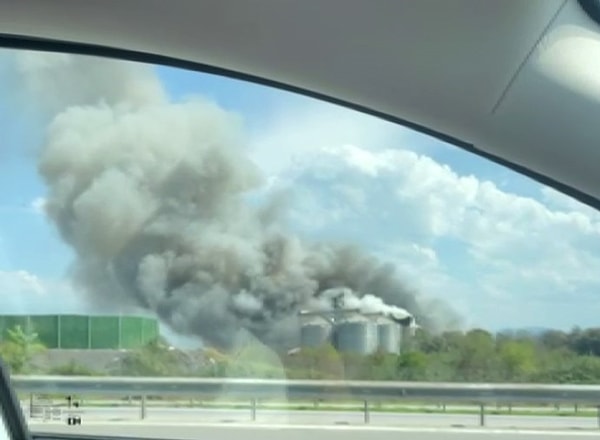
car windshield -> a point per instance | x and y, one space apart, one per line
170 227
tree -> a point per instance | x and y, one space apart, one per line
476 357
378 366
18 349
254 360
412 366
554 339
586 342
517 360
323 362
572 370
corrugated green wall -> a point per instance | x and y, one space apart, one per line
85 332
74 331
150 330
46 326
131 332
11 321
105 332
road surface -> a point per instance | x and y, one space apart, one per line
278 432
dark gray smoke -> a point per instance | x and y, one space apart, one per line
153 197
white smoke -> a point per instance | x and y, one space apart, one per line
367 303
56 81
152 196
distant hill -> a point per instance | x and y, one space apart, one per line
534 331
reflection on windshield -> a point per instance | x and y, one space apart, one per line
156 226
4 435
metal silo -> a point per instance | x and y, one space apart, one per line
356 335
315 333
389 337
408 333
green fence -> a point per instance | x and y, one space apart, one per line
46 327
73 331
85 332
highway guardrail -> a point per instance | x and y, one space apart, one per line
481 394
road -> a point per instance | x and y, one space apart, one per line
277 432
333 418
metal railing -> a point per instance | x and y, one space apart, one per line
481 395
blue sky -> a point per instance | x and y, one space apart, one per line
502 250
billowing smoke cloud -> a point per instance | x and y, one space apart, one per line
153 197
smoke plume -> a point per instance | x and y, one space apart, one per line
153 195
366 304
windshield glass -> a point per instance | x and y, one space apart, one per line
156 222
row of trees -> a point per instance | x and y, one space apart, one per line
473 356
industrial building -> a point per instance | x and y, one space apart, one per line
85 332
353 332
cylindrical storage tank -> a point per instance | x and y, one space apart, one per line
315 334
389 337
356 335
407 333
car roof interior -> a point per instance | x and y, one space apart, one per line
513 80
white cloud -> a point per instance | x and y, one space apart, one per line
24 292
427 253
560 201
356 197
465 206
38 205
20 282
291 136
506 248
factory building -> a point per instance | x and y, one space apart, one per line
315 332
356 334
350 331
389 335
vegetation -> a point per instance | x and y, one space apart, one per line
473 356
155 359
479 356
72 368
18 348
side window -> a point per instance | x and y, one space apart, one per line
160 222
